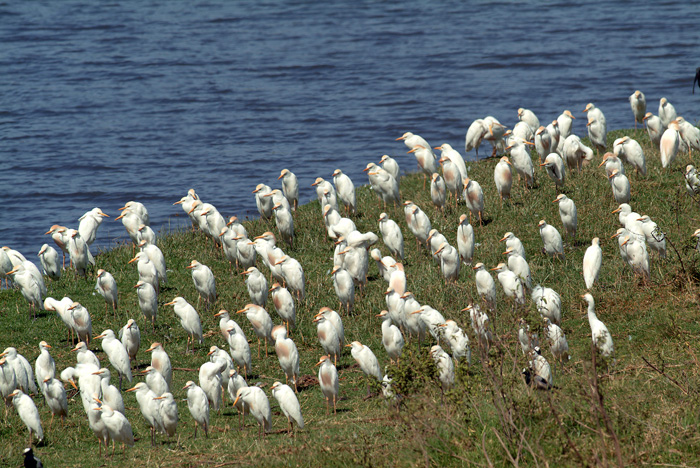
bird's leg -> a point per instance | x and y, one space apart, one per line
258 348
334 409
195 429
120 381
206 430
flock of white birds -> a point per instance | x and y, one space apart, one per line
405 318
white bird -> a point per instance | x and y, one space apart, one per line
412 322
485 285
31 288
612 163
438 191
574 152
130 336
284 222
155 255
210 379
632 152
239 348
556 170
345 190
168 412
150 408
258 406
28 414
638 103
204 281
565 122
236 381
544 143
541 367
55 396
390 165
474 198
529 117
292 274
567 212
148 272
690 134
110 394
602 339
521 160
344 288
431 318
328 380
528 340
465 240
654 128
592 260
503 177
49 261
146 236
656 240
669 144
24 374
59 234
445 366
449 262
117 354
458 341
290 187
8 381
256 283
263 203
522 131
85 356
637 255
620 187
366 359
392 339
44 366
513 242
187 203
426 160
328 336
289 404
512 286
117 426
456 158
287 354
160 361
558 344
148 301
548 303
597 127
189 319
553 244
392 236
692 182
198 404
476 132
480 324
383 183
260 321
520 267
667 113
79 252
61 309
284 305
107 287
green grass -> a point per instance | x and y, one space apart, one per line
490 417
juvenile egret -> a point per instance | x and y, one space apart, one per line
287 354
107 287
257 286
485 285
150 408
553 244
638 103
204 281
49 261
503 178
597 127
392 339
210 380
168 412
548 303
474 198
260 321
667 113
198 404
289 404
130 336
148 301
557 340
239 348
117 354
160 361
28 414
556 170
512 286
465 240
392 236
567 212
328 380
290 187
258 406
620 187
599 332
592 260
438 191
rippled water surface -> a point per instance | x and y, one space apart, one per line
105 102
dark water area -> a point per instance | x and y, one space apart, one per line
106 102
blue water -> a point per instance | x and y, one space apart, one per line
105 102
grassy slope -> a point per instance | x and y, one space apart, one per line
490 416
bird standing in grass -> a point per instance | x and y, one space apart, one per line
198 404
567 212
367 361
289 404
49 261
28 414
328 379
148 301
287 354
553 244
258 405
638 103
592 261
204 282
117 354
599 332
130 336
107 287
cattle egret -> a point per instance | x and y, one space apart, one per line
503 177
289 404
117 354
130 336
290 187
198 404
567 212
168 412
620 187
485 285
260 321
667 113
160 361
110 394
553 244
438 191
548 303
638 103
189 319
669 144
521 161
445 366
150 408
597 127
599 332
258 406
392 339
49 261
528 340
236 381
284 305
28 414
392 236
239 348
203 281
328 380
520 267
117 426
474 198
555 168
148 301
540 367
210 380
328 336
512 286
107 287
55 395
44 366
557 340
366 360
287 354
22 370
592 260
